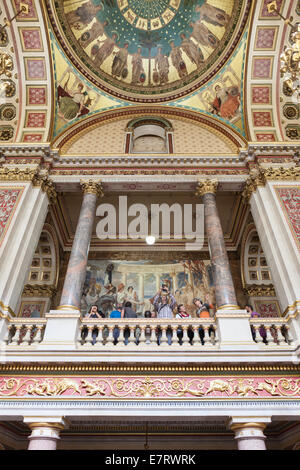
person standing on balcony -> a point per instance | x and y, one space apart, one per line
262 330
116 314
128 312
202 311
182 313
94 313
164 303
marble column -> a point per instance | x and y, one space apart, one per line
44 436
224 287
76 272
249 436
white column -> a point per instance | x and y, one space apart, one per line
249 431
44 432
20 241
277 240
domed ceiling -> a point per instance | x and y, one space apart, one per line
148 50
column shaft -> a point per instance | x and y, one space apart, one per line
224 287
76 272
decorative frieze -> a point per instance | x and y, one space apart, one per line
114 387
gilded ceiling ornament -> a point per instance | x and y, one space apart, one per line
92 187
207 186
15 174
6 64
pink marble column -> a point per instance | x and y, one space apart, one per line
250 436
44 436
224 287
76 272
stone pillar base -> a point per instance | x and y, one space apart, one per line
234 330
61 330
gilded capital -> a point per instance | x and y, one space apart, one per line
46 185
206 186
92 187
260 176
260 290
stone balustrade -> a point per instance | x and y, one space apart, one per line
148 333
271 331
25 331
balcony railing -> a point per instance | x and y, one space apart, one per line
147 333
270 331
25 331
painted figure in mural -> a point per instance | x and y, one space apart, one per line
131 296
119 65
203 35
121 294
162 64
226 102
83 15
193 52
212 15
108 274
105 50
177 60
96 31
70 106
137 67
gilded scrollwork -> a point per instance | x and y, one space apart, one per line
150 387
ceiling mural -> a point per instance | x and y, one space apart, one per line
140 50
76 97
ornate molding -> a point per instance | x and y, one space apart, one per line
260 177
260 290
30 175
92 187
38 291
207 186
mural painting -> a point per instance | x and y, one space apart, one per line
145 46
109 283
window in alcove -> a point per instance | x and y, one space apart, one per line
149 135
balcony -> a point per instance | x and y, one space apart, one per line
225 337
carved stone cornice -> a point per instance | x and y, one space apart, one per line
260 176
92 187
206 186
260 290
39 291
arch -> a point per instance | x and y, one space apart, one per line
233 140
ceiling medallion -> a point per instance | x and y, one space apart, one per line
148 50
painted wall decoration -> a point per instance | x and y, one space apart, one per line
9 200
32 309
110 282
147 48
267 308
289 197
149 387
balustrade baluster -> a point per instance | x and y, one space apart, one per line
16 337
27 336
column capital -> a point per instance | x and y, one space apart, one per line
92 187
32 175
46 185
260 176
206 186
